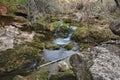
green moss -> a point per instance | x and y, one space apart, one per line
69 46
49 45
55 24
13 58
92 34
68 20
40 75
69 75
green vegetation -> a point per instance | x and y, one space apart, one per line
13 4
68 75
13 58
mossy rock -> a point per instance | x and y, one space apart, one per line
51 46
69 46
92 34
69 75
40 75
13 58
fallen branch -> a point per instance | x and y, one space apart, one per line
52 62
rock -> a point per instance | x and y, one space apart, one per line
7 37
92 34
6 43
106 64
69 46
63 66
3 9
80 67
11 35
39 75
51 46
24 37
115 27
62 76
114 48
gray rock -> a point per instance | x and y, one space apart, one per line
115 27
10 35
80 67
63 66
106 64
6 43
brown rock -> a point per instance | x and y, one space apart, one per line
3 9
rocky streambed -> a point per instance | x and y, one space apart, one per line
78 45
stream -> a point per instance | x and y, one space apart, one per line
62 53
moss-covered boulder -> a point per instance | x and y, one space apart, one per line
92 34
14 58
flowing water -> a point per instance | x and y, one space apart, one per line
51 55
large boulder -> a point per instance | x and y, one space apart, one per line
105 66
93 34
106 63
